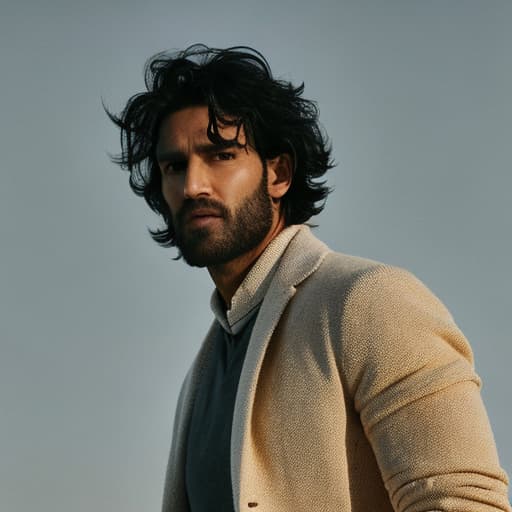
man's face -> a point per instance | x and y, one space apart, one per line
217 195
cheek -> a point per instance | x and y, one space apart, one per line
242 182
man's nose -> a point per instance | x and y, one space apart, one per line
197 179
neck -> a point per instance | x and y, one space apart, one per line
228 276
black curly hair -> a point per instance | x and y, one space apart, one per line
237 86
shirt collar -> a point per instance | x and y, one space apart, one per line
252 290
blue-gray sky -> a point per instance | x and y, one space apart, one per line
98 325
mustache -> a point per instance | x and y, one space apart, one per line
190 205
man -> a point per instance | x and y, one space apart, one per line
326 382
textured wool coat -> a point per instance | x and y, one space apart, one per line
357 394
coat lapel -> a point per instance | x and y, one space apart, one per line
301 258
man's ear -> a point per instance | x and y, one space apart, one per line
280 173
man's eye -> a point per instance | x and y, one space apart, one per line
174 167
224 155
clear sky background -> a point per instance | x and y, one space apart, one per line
98 325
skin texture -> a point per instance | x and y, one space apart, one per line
225 208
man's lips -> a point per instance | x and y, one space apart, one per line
202 215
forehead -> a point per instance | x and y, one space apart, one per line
189 126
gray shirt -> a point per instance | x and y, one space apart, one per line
207 470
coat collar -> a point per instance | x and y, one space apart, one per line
253 289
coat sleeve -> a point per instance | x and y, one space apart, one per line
174 498
410 372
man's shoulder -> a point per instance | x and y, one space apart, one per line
333 267
349 264
339 272
305 248
320 271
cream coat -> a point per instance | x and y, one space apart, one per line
358 393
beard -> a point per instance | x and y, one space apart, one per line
242 229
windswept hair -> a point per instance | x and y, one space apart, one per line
237 86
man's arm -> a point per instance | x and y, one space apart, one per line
410 372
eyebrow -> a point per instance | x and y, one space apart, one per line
206 148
